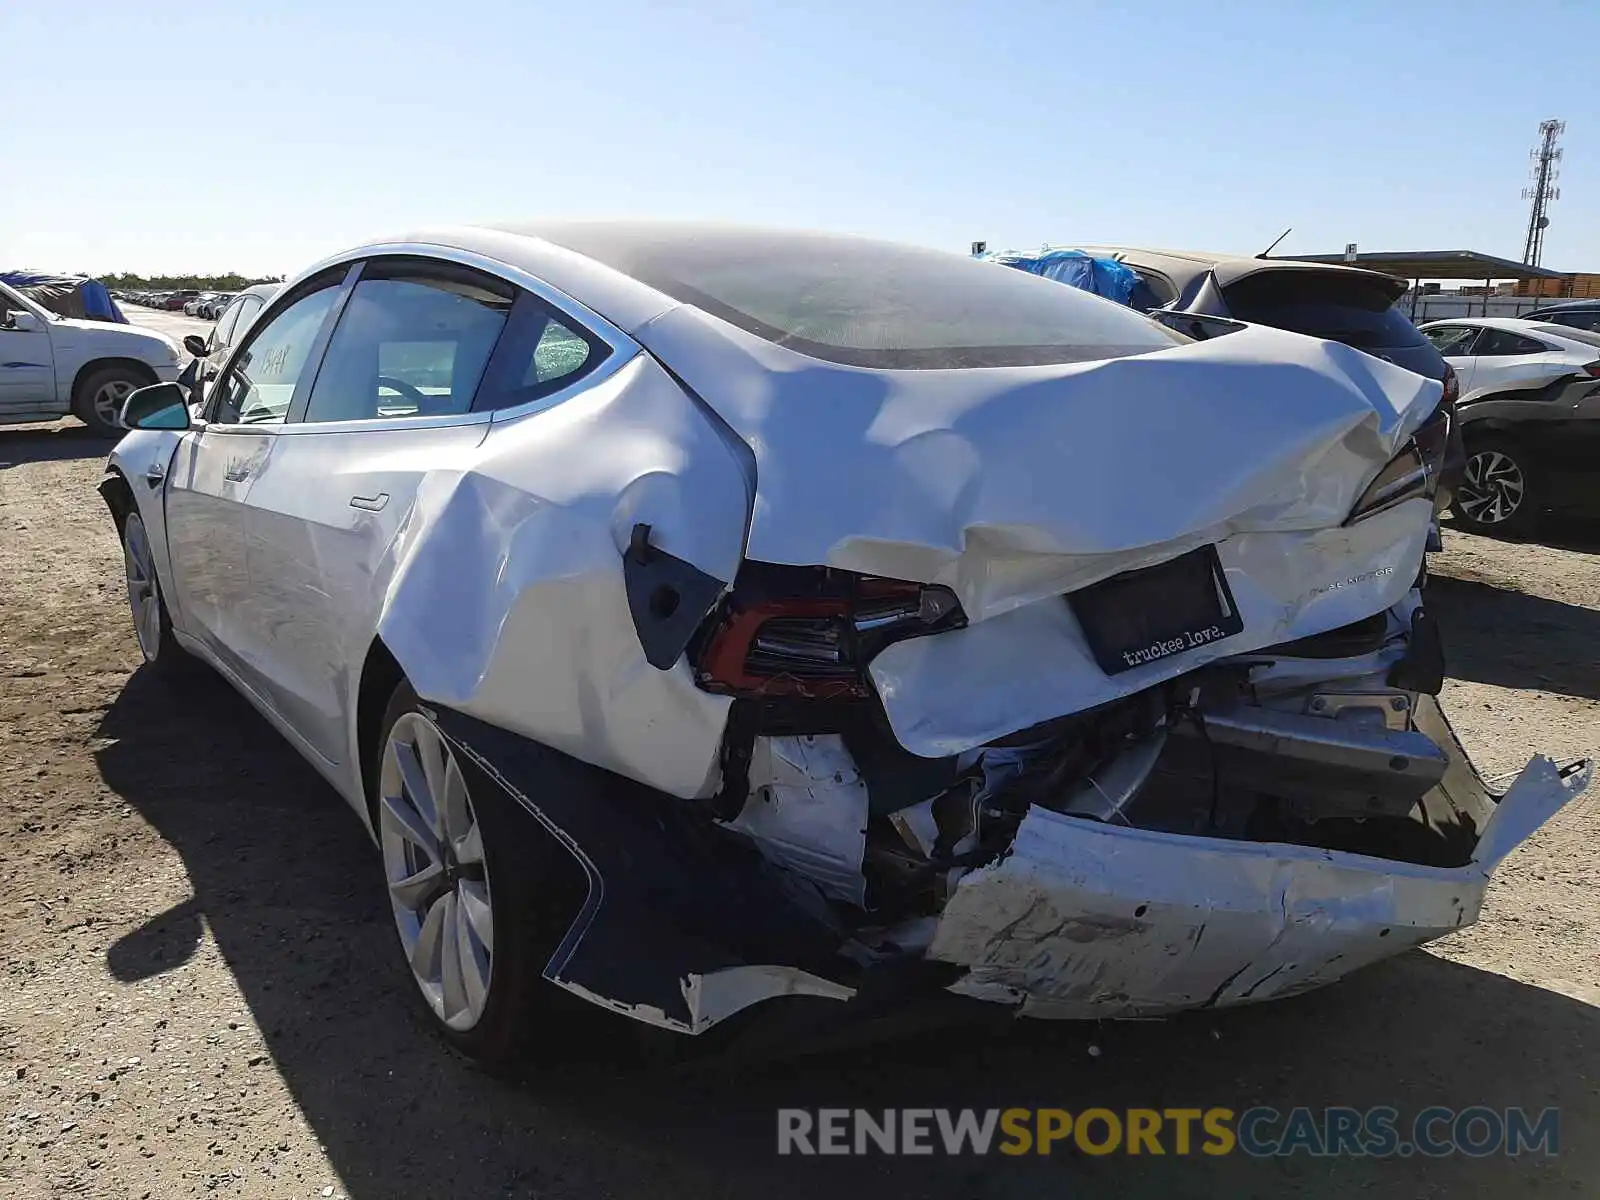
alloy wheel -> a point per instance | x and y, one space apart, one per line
108 400
438 879
1492 488
144 592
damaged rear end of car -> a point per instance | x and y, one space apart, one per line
1085 680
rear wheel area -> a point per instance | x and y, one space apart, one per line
481 896
100 395
1499 493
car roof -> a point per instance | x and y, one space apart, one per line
1570 306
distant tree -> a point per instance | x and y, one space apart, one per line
230 282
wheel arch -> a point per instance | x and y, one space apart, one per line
118 495
381 673
94 365
1486 427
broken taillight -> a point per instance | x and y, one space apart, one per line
1452 387
817 644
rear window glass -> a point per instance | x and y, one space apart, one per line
869 303
1352 310
1581 318
1572 333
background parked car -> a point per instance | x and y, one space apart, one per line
1530 416
51 366
1340 304
213 308
175 301
1579 314
211 351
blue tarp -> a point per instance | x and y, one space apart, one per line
1103 276
68 295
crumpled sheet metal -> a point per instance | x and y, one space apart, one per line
1089 920
1013 485
508 599
808 810
946 694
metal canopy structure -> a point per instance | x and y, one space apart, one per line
1436 264
1417 265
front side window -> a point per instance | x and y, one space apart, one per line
1452 339
248 311
260 382
222 335
413 341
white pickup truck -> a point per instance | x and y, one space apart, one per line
51 366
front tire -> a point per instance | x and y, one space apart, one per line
152 625
481 896
100 396
1499 494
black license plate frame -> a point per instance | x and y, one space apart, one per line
1143 616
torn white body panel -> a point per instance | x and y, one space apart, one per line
1013 485
1083 919
807 811
509 602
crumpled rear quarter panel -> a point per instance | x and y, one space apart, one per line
508 601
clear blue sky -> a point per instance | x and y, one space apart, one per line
280 131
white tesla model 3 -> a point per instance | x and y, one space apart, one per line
699 616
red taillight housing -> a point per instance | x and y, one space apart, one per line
816 644
1452 387
1592 370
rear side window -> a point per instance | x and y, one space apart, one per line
543 351
1339 308
1502 342
868 303
413 341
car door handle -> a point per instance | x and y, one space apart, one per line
154 474
370 503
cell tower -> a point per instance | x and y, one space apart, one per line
1545 171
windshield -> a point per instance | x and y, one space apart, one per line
868 303
13 301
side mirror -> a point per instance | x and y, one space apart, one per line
20 322
196 345
158 406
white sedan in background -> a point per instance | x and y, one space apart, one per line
1530 418
704 617
1508 354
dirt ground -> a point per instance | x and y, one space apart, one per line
201 996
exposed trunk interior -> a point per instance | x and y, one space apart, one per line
1333 741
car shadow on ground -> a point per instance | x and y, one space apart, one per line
1559 531
59 442
285 880
1510 639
